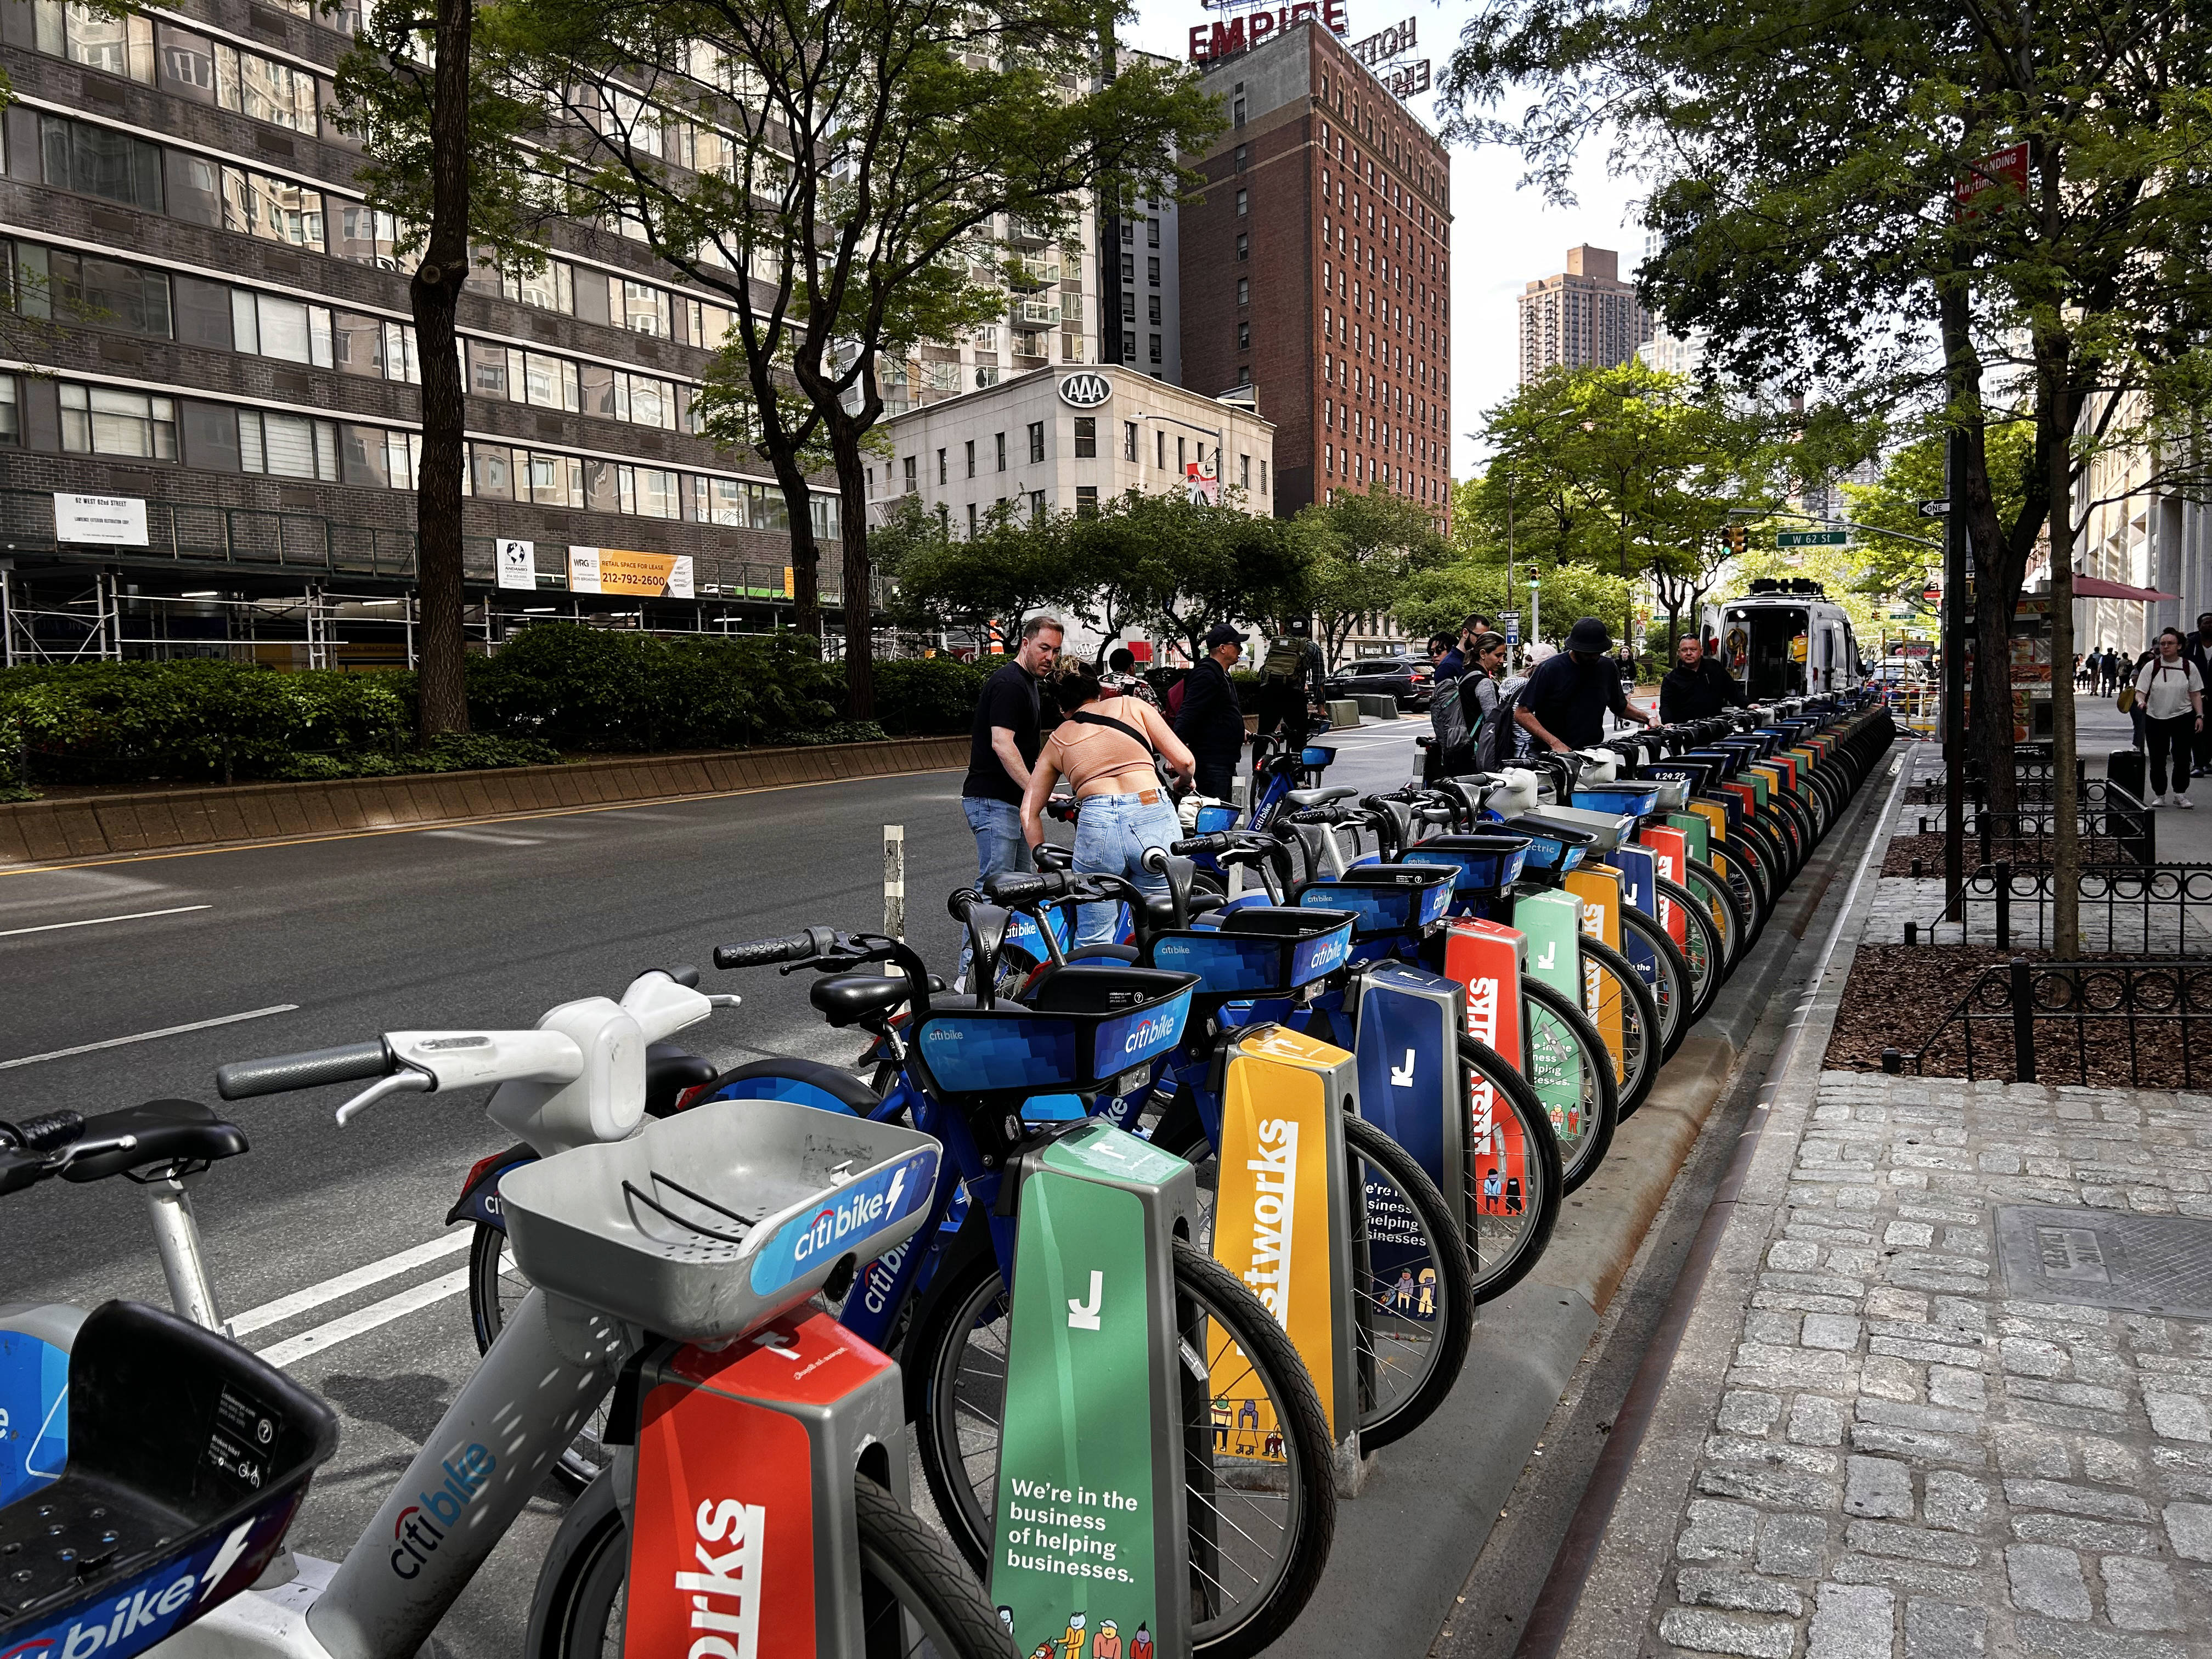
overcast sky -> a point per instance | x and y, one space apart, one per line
1502 238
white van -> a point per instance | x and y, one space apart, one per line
1785 639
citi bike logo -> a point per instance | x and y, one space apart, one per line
1159 1029
1274 1204
424 1524
725 1595
836 1220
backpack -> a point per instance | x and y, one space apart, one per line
1448 720
1495 748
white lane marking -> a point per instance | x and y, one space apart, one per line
148 1036
348 1326
489 840
96 921
285 1307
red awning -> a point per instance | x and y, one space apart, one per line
2096 587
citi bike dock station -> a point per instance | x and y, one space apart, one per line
1169 1262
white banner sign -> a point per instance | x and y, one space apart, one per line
518 565
110 520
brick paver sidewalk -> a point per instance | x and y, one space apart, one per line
1915 1454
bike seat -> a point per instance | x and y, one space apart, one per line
851 998
669 1070
1301 800
167 1132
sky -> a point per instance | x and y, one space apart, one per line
1503 238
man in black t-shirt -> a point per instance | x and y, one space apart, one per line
1563 704
999 755
1696 687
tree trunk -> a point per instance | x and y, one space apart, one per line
433 293
805 552
2066 840
860 623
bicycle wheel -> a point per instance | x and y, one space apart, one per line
1620 1004
1701 948
1572 1075
918 1600
1258 1543
1514 1186
497 1285
1728 906
1666 975
1415 1286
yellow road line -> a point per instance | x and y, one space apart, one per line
451 823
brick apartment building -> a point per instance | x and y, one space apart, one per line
1317 271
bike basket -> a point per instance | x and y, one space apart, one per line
1481 863
711 1223
1552 846
1083 1025
1263 950
1607 829
188 1457
1629 799
1315 754
1213 819
1386 899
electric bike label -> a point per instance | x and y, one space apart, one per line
1073 1560
1274 1226
846 1219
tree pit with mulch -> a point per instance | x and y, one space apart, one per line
1901 996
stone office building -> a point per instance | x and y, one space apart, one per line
231 345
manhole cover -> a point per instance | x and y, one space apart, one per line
2152 1264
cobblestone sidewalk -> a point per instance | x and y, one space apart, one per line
1916 1453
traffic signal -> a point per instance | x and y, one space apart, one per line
1739 538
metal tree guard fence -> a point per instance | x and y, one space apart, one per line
2141 1024
2126 909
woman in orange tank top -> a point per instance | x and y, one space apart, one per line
1105 750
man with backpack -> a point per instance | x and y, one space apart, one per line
1291 693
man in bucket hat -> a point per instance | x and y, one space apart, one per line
1564 703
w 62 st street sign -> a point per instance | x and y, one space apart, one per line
1812 538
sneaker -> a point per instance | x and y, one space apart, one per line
2158 801
2185 803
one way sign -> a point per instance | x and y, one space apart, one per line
1933 509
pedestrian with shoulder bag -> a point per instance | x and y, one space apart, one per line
2170 690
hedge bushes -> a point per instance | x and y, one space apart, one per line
554 686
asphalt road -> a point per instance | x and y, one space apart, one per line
272 949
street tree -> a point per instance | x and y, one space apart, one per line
1016 564
1178 565
428 91
1364 545
1435 600
1987 209
852 177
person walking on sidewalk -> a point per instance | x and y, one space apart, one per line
2169 691
1003 748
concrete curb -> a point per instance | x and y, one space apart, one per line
1615 1600
156 821
1426 1513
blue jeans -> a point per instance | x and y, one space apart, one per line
1112 835
1001 847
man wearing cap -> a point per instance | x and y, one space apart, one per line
1564 703
1211 721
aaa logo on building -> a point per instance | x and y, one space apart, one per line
1084 390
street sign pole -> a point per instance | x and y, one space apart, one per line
1953 632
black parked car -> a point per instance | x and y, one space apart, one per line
1412 683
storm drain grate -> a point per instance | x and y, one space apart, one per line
2108 1258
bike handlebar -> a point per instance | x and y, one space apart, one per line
351 1062
792 947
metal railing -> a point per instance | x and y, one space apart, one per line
2114 826
2126 909
2138 1025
